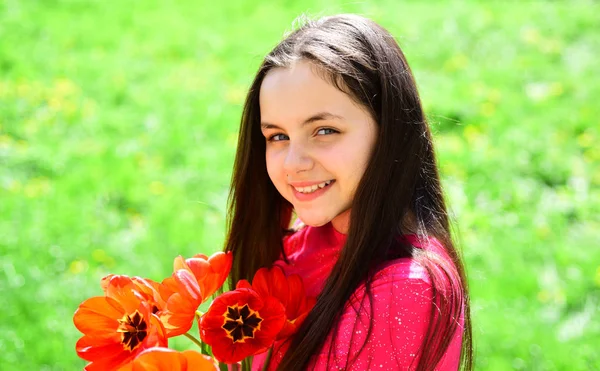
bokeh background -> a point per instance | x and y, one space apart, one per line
118 126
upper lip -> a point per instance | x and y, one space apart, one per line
307 184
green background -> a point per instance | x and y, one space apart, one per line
118 126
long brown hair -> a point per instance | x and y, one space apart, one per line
363 60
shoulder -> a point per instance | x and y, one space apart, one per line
409 278
409 270
397 283
399 270
430 260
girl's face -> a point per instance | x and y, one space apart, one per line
319 142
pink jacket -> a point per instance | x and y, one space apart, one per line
401 299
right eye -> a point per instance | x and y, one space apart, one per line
277 137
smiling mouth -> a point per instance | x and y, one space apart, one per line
314 188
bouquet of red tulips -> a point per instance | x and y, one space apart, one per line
129 326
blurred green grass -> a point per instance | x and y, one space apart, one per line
118 125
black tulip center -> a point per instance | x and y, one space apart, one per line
241 323
133 330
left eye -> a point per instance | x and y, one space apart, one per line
326 131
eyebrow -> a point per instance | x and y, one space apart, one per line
321 116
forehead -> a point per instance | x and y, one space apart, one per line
291 94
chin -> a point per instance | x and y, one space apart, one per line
314 220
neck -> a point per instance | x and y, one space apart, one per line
341 223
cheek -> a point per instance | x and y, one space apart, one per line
347 161
271 170
274 168
350 164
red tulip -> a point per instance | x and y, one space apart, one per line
193 281
288 290
117 326
210 272
240 324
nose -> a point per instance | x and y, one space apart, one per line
297 159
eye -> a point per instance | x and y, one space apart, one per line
277 137
326 131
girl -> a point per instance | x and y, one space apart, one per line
333 131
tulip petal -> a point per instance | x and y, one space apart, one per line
199 267
273 315
243 284
98 315
187 285
178 318
160 359
92 348
157 336
219 267
114 362
220 261
123 290
296 295
289 291
199 362
164 359
179 263
272 282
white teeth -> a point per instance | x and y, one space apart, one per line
324 184
311 189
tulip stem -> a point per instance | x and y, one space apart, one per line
192 338
268 359
247 364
